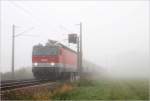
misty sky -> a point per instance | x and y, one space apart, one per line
115 34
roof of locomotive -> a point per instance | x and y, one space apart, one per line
63 46
52 43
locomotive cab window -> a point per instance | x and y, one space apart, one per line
46 50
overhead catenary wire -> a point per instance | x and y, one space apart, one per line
35 19
27 12
69 31
20 7
30 14
19 34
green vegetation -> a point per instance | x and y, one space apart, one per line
107 90
86 90
36 92
91 89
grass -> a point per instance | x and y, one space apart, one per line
107 90
37 93
87 90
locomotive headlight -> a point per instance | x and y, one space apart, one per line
35 64
52 63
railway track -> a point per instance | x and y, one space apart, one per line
9 85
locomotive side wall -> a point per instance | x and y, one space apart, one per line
68 59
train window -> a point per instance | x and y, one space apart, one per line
46 51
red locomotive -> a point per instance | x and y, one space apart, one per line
54 61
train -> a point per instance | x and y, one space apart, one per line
54 61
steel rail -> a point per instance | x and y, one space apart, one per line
4 83
19 84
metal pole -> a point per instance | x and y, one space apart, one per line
13 47
80 48
78 55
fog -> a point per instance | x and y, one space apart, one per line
115 33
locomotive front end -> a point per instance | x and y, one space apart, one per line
45 62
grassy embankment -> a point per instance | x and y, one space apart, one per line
102 89
107 90
87 90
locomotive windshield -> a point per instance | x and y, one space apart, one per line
45 50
